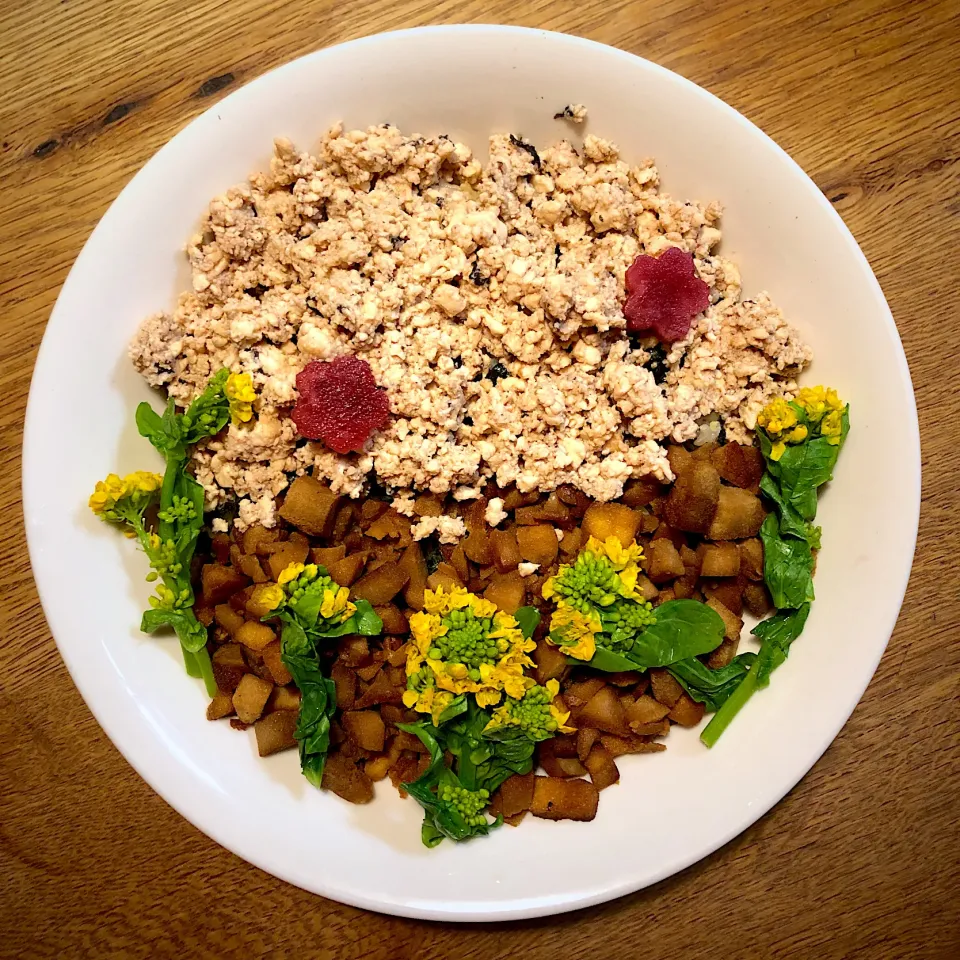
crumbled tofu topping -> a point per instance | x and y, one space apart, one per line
574 112
447 529
487 301
526 569
495 514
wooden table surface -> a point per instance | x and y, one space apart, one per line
862 859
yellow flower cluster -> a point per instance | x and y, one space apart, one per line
297 578
109 492
818 401
490 638
241 396
604 572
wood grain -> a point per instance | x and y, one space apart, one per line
862 859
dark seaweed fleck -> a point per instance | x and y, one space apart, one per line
657 363
529 147
476 277
431 553
457 362
378 491
468 421
397 242
556 253
497 372
722 435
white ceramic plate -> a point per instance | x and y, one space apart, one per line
670 809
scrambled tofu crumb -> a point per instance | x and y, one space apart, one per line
487 301
574 112
495 514
526 569
448 529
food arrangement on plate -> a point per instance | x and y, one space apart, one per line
474 470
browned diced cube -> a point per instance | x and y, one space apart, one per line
516 794
739 465
720 560
645 709
228 618
751 559
255 635
603 520
444 578
342 523
506 552
656 728
641 491
686 711
556 799
572 542
507 592
756 600
394 621
386 687
663 561
413 564
604 711
680 458
366 727
229 666
342 776
220 706
290 551
428 505
381 585
646 587
310 506
274 663
251 567
729 592
257 536
218 583
346 571
732 624
665 688
284 698
538 544
274 732
602 767
739 514
586 738
557 766
324 556
354 651
693 500
251 697
345 680
579 693
477 546
550 661
259 604
723 655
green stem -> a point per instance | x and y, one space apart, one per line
722 718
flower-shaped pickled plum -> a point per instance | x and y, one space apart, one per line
664 294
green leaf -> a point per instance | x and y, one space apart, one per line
528 619
791 523
192 633
684 628
608 661
804 468
164 432
457 707
210 411
787 566
318 700
711 687
776 633
365 621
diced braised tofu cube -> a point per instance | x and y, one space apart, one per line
381 585
310 506
342 776
394 621
284 698
686 711
414 566
756 600
275 732
646 709
259 603
723 655
275 665
218 583
665 688
229 666
255 635
604 711
720 560
290 551
506 552
257 536
220 706
550 661
251 697
346 571
732 624
507 591
680 458
739 514
739 465
516 794
641 491
228 618
444 578
728 591
751 559
557 799
366 727
538 544
345 680
694 498
603 520
602 767
663 561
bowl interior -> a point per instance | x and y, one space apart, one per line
670 809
